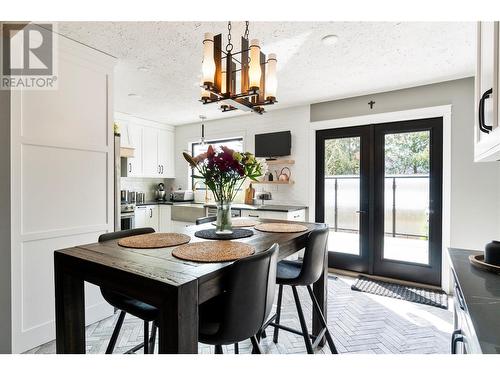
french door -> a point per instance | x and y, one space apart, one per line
379 189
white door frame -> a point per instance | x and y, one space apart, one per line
443 111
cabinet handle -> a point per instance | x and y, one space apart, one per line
456 337
161 169
130 167
150 213
250 215
482 126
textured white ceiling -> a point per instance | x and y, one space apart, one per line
368 57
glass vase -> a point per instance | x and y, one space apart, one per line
223 224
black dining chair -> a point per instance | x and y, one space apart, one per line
241 310
130 305
206 219
304 273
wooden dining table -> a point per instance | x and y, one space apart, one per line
154 276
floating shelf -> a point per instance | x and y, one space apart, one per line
273 182
280 162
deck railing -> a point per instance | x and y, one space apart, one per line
406 201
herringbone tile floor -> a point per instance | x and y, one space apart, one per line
359 322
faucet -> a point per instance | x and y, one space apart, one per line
194 191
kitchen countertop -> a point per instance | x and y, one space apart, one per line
266 207
481 291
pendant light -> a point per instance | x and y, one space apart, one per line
202 139
223 71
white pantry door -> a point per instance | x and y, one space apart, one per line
62 184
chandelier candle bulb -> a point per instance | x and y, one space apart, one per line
223 89
254 70
271 79
208 65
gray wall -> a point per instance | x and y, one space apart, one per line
475 187
5 285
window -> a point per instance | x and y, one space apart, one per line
235 144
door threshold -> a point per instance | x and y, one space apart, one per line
382 278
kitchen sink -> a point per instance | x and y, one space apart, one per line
188 212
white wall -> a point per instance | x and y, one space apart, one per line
295 119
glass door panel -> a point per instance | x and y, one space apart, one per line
342 194
406 197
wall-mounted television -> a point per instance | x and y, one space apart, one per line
271 145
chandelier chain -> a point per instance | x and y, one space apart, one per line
229 46
246 29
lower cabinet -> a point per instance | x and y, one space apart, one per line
298 215
155 216
165 221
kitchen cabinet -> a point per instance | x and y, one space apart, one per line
166 153
165 221
152 218
487 129
134 137
151 167
140 217
154 150
297 215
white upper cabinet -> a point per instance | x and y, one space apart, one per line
151 167
134 164
153 144
166 153
487 130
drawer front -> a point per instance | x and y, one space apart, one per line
299 215
264 214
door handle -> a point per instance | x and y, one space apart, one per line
361 212
482 126
456 337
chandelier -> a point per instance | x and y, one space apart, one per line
224 71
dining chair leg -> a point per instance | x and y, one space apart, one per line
146 337
329 338
218 349
236 348
116 332
278 314
152 339
256 346
303 325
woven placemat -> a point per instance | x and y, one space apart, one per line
213 251
210 234
154 240
281 228
241 223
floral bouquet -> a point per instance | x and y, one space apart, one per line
224 171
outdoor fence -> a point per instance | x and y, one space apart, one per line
406 204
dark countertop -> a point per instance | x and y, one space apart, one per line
481 290
155 202
266 207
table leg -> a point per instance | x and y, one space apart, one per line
320 289
178 325
70 310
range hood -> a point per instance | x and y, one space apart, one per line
126 152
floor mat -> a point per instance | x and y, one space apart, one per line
412 294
